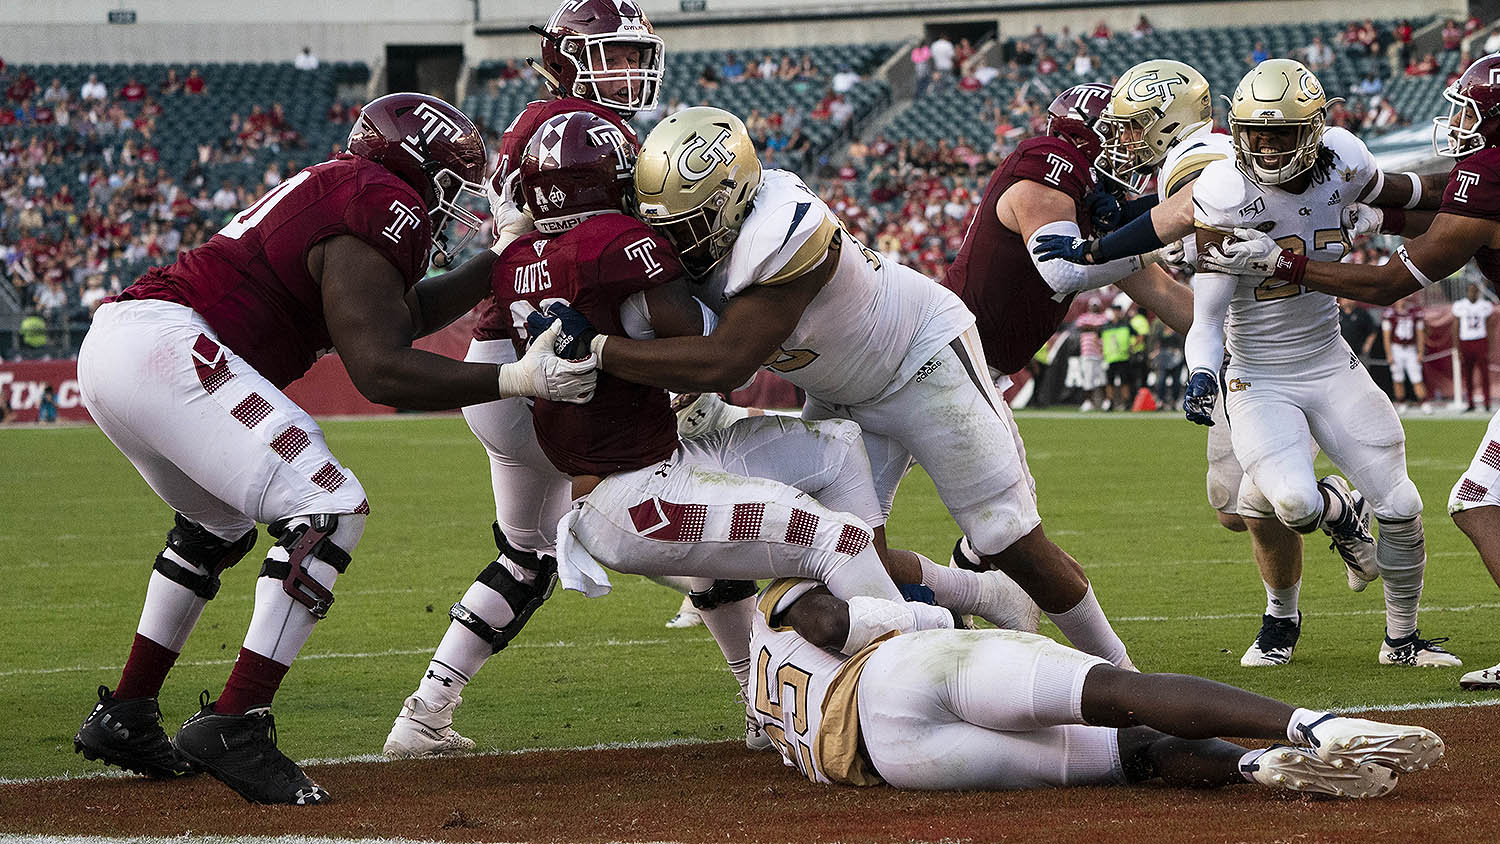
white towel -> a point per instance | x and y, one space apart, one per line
575 568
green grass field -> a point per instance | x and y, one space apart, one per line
1124 494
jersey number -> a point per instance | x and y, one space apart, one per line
250 217
787 677
1273 288
789 360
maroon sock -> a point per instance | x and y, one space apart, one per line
252 683
145 670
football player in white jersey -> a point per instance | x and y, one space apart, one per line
1289 373
866 338
1159 124
925 707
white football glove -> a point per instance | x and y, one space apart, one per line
1360 218
700 414
1174 254
1253 254
542 374
510 218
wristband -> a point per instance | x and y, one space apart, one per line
1393 220
1416 190
1290 266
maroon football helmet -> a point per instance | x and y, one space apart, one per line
1473 120
576 165
1074 116
576 49
433 147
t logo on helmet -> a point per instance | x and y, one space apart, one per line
1147 86
713 151
435 124
623 153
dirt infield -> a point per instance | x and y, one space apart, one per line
721 792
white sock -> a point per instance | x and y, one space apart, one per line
1333 508
1282 603
462 653
171 610
1299 718
730 625
1089 631
281 625
1401 553
952 587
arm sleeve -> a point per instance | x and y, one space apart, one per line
1204 346
1134 238
1068 278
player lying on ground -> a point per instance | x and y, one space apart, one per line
184 372
928 708
793 292
1466 226
1277 328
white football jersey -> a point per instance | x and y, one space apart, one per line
1272 322
798 690
873 325
1185 162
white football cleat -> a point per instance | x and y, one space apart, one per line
422 731
1003 603
1275 642
1300 769
1413 650
1351 534
1345 742
1486 678
687 616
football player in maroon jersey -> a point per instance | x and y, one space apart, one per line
184 371
600 57
1466 226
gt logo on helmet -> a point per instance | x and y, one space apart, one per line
713 151
1148 86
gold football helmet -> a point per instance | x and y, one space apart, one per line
695 178
1279 95
1153 106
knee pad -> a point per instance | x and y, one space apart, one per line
1404 502
1252 503
202 550
302 540
1298 508
721 593
523 598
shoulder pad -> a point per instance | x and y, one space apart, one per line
788 232
1055 163
1474 186
1223 198
1189 162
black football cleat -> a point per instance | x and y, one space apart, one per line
128 733
240 751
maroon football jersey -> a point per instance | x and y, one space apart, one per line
493 320
1474 191
1403 318
595 268
1016 311
250 281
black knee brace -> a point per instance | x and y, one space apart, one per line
204 550
523 598
721 593
300 542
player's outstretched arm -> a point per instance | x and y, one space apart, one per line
1046 219
1156 291
1438 253
749 331
368 319
435 302
1408 190
1167 222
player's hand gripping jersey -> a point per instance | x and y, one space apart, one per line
595 268
250 281
994 275
873 325
1274 322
